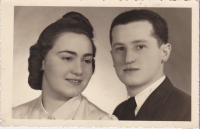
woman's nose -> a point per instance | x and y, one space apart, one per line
77 69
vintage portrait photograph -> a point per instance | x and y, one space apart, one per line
79 64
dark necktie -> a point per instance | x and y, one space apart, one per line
128 112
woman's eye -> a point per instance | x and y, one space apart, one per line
68 58
120 49
88 61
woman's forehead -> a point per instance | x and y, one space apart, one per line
78 43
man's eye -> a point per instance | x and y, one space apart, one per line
88 61
68 58
120 49
140 47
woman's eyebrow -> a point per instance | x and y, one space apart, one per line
70 52
74 53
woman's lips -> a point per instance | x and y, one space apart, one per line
74 81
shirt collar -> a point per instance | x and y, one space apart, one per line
142 96
66 111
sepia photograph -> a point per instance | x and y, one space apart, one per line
78 64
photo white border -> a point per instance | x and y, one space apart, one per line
7 29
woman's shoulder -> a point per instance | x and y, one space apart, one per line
19 112
97 113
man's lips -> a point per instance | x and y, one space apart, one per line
131 69
74 81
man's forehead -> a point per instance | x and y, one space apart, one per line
136 28
134 24
133 32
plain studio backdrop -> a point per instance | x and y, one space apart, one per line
104 89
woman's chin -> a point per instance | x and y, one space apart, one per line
71 94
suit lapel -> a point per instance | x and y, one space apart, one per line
152 107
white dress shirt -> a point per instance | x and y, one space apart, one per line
142 96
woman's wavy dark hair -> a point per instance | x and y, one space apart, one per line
70 22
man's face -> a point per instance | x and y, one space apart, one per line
136 55
68 66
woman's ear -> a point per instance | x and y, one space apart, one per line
166 50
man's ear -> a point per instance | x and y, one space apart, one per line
166 50
112 58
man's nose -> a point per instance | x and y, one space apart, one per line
77 69
130 56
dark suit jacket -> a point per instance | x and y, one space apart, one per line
166 103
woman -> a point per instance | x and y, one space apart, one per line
61 64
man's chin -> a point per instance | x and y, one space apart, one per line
131 83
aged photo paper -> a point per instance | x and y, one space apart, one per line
23 22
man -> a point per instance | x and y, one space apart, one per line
139 41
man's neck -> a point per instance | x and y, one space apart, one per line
134 90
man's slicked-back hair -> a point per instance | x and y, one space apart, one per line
71 22
160 29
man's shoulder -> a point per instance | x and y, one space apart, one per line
180 98
168 92
180 94
172 94
178 104
174 103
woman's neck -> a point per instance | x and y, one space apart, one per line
50 99
50 104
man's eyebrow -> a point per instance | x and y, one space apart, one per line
88 54
139 41
117 43
134 42
66 51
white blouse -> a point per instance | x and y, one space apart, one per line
77 108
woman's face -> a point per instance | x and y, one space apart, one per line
68 65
